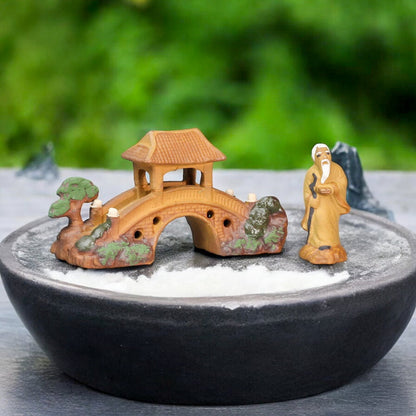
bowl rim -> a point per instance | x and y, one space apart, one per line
10 264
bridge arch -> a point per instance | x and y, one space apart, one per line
125 230
211 223
204 235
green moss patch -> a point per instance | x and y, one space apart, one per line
87 242
131 254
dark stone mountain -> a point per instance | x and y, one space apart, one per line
359 195
42 165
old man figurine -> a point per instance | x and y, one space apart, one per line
324 191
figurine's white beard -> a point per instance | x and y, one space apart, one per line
326 170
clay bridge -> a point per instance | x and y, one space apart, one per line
141 213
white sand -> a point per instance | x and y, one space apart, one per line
207 282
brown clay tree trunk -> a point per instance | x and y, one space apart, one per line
74 215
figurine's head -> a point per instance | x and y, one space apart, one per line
321 155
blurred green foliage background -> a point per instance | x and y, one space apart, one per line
263 80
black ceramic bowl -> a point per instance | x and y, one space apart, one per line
225 350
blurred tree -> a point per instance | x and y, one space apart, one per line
264 81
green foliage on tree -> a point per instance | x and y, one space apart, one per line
264 81
73 189
59 208
77 188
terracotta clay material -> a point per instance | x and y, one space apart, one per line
125 230
324 191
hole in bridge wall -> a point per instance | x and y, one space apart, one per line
227 222
210 213
156 220
138 234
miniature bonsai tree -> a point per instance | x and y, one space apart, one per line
73 193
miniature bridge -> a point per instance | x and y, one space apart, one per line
125 230
145 210
214 216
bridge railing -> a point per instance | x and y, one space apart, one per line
141 208
209 196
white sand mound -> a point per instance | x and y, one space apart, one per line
198 282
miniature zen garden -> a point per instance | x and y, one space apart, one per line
214 299
125 231
175 290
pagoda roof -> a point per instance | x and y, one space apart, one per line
175 147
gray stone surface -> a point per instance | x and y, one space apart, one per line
31 385
377 251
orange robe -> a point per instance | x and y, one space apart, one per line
322 211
